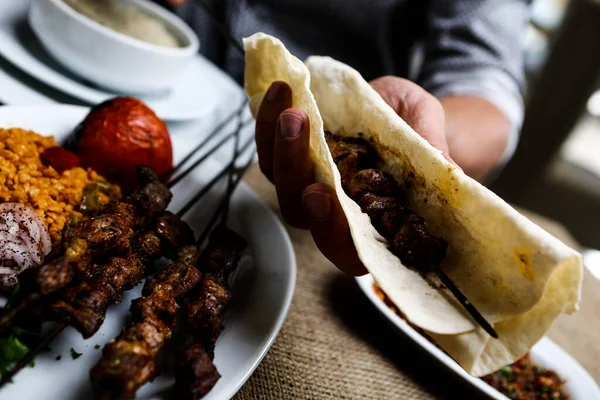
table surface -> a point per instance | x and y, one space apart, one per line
334 345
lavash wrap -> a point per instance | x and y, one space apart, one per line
518 276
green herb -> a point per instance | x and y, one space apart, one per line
97 346
75 355
505 372
11 351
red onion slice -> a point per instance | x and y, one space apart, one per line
24 241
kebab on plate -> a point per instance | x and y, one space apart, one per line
87 247
441 229
129 361
195 374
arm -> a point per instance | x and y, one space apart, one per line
473 65
477 133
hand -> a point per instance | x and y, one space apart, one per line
282 139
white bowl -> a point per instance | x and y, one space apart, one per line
109 58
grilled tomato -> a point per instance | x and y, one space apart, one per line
119 134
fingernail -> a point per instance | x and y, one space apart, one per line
317 204
274 91
289 125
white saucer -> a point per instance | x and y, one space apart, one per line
190 98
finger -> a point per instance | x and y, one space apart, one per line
330 229
292 168
277 99
421 110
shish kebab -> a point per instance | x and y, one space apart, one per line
141 341
107 234
380 197
86 302
195 373
129 361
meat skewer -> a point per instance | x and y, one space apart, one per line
231 168
108 233
195 372
380 197
129 361
85 304
105 234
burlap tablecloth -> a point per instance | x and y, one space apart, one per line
335 345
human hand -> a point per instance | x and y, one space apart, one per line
283 138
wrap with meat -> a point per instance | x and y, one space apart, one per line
517 275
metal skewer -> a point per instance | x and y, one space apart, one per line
462 299
222 209
230 167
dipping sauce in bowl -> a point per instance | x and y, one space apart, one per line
126 46
126 18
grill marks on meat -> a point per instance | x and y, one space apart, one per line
195 373
380 197
107 234
84 305
174 233
129 361
208 302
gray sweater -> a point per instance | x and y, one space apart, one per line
447 46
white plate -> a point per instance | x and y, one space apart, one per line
579 384
262 287
192 97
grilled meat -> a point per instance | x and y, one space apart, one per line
107 234
380 197
84 305
207 302
351 155
129 361
173 232
195 374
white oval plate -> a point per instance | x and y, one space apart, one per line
262 287
579 384
192 97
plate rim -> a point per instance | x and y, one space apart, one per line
365 283
288 288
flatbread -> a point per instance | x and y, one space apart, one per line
516 274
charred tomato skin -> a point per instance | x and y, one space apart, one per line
121 133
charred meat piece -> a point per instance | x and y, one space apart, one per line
343 147
129 361
174 232
373 181
415 246
196 374
351 155
109 233
380 197
84 305
204 312
154 196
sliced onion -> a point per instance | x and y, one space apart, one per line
24 241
